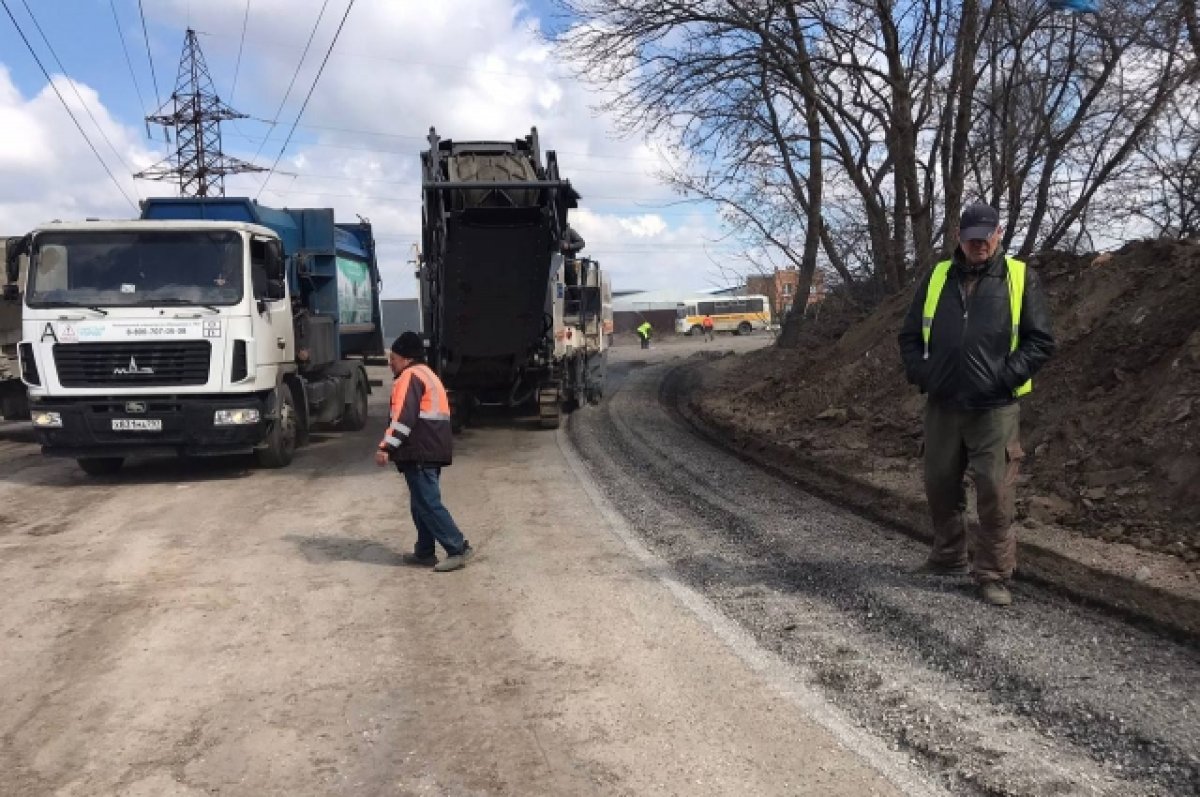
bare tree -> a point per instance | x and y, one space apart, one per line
847 134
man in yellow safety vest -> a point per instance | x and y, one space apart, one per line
977 331
644 331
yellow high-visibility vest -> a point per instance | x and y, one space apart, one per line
1016 292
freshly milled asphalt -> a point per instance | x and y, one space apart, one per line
1046 697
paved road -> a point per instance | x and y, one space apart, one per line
207 628
1045 698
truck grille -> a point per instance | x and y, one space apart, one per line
145 364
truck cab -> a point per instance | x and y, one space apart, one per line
184 335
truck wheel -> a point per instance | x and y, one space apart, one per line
744 328
101 466
695 330
355 417
281 439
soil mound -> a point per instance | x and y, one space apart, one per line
1111 431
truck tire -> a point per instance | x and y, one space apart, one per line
744 328
695 330
281 439
100 466
355 417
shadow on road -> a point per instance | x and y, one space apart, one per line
323 549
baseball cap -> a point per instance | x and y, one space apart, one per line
978 221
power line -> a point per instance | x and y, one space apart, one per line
61 99
292 83
408 153
128 61
405 61
149 57
311 89
425 139
415 186
75 89
241 45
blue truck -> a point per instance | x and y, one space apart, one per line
207 326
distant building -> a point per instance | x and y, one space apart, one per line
781 288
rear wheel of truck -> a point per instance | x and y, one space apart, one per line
281 439
355 417
101 466
744 328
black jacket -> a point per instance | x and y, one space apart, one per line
417 439
970 365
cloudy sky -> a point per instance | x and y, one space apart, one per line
474 69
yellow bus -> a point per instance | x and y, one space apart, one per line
740 315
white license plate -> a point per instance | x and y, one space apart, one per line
137 424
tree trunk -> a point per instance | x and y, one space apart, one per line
964 79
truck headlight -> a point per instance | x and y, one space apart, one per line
239 417
47 420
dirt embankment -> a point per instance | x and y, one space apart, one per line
1111 431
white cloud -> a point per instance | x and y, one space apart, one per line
475 69
47 170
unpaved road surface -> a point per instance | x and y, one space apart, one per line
200 628
1045 698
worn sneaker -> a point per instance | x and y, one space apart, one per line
456 562
935 569
412 560
994 593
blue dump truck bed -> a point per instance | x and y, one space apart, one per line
332 267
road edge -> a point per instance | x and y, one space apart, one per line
1166 612
775 672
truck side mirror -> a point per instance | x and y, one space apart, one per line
14 248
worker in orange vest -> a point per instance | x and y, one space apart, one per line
420 442
707 323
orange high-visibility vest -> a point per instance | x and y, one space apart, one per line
435 405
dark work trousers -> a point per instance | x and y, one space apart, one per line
987 442
430 516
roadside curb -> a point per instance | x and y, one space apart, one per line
1166 611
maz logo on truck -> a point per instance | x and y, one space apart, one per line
132 369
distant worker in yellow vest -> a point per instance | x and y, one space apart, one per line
976 333
707 324
644 331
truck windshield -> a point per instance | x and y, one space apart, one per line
131 269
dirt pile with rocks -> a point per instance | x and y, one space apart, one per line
1111 431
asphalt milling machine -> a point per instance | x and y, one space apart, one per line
512 315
